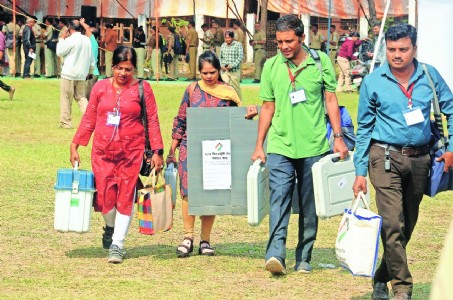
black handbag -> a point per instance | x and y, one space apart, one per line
145 170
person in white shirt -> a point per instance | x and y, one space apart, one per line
75 48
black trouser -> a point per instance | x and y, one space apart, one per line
398 196
4 86
28 62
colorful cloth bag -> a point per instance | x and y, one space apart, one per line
155 208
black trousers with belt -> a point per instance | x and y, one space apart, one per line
398 196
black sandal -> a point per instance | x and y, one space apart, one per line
189 249
205 249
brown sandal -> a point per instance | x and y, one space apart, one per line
188 248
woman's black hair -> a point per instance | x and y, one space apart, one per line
211 58
124 53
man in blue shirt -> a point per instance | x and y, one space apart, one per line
392 143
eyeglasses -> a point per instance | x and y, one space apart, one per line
127 70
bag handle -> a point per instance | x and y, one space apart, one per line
154 178
257 162
144 114
436 108
355 202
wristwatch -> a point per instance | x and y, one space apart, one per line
158 151
338 135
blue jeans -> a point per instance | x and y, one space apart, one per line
282 178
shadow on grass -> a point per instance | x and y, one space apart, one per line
239 249
421 291
160 251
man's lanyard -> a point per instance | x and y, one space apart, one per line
408 93
293 77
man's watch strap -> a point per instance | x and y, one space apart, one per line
158 151
338 135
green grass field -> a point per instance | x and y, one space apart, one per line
36 262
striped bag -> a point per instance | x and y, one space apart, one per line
155 208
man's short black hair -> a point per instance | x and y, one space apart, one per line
236 22
204 25
333 26
290 22
75 25
400 31
229 33
192 22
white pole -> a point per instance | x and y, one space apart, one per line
412 12
251 28
378 42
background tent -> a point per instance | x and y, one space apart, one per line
344 9
128 8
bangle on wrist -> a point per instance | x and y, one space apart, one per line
338 135
170 156
158 151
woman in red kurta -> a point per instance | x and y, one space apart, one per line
114 114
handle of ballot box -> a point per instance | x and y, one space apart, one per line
335 157
75 182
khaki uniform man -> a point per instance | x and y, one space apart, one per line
111 36
259 54
39 47
207 38
13 57
192 45
50 57
153 53
316 37
333 43
239 35
218 36
173 68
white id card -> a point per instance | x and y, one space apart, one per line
297 96
413 116
113 119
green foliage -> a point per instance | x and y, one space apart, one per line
390 21
37 262
177 23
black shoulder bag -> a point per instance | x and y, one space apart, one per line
145 170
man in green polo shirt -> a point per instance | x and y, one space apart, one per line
293 118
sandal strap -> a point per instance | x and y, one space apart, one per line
205 245
185 246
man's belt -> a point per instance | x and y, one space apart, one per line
258 48
408 151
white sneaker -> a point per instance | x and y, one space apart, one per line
275 266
